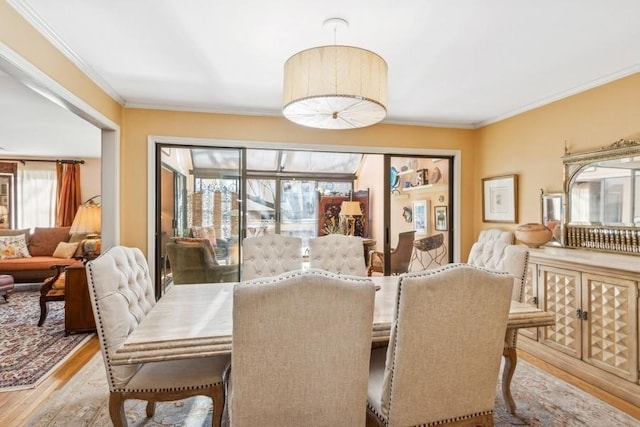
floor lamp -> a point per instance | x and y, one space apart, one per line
350 210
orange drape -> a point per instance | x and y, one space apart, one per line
69 198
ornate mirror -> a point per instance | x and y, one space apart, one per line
603 198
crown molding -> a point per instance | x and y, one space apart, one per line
43 28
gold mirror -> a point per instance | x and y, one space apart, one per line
603 198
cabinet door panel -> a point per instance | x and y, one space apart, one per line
610 330
561 295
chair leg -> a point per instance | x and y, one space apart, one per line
43 311
510 361
151 408
217 396
116 409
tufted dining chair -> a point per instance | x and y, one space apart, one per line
121 295
338 254
308 367
425 377
494 250
270 255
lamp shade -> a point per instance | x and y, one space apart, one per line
87 219
335 87
350 209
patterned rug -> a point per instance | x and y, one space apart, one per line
542 400
28 352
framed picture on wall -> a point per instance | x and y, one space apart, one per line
420 217
500 199
440 215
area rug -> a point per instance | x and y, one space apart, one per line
542 400
29 352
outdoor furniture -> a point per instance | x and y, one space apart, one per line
441 364
122 295
431 246
283 373
193 260
338 254
400 256
270 255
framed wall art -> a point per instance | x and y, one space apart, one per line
420 218
440 215
500 199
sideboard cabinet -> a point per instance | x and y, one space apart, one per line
595 300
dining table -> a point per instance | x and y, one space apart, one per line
195 320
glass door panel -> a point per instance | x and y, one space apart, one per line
298 209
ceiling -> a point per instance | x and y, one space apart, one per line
456 63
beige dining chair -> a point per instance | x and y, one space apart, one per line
338 254
270 255
122 294
494 250
441 365
300 351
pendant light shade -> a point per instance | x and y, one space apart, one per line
335 87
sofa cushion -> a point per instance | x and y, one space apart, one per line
13 247
45 240
41 263
65 250
10 232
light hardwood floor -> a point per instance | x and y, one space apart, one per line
17 407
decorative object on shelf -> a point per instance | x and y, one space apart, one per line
440 214
551 209
441 198
394 178
350 210
500 199
406 214
436 175
335 87
420 218
533 235
422 177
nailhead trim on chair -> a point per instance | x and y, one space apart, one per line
418 274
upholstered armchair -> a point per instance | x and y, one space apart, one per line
121 293
300 352
441 365
400 256
494 250
338 254
270 255
194 261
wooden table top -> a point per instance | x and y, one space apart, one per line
195 321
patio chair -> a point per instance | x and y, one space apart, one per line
338 254
400 256
193 260
441 365
308 367
121 294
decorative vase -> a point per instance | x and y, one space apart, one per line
533 235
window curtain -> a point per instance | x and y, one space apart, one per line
36 196
69 197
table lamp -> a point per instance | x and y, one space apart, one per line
88 220
350 210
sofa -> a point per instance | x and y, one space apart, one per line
30 257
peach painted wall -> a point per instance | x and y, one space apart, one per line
140 123
532 144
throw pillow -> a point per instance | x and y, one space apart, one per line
13 247
45 239
65 250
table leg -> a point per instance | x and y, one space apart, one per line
510 362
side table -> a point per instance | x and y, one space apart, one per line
78 314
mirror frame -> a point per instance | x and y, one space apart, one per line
605 238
